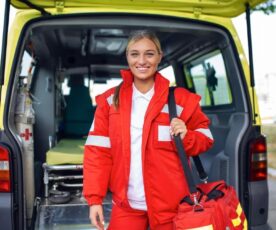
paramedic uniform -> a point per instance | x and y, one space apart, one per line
108 153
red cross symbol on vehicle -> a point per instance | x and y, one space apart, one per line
26 134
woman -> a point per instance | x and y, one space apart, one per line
130 150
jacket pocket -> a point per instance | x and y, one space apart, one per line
162 137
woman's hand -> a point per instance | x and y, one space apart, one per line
96 216
178 127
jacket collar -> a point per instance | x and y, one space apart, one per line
127 77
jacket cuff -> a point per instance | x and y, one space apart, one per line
93 199
188 139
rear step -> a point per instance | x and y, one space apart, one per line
68 216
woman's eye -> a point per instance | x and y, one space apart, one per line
149 54
134 54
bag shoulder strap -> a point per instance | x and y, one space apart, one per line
199 167
180 149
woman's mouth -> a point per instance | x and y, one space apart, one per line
142 69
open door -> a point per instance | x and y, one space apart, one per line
222 8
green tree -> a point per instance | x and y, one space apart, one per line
267 7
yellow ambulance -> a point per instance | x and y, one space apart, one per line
55 46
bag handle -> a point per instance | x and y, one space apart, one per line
181 151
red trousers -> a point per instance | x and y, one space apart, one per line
128 218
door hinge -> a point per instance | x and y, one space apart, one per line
197 11
59 6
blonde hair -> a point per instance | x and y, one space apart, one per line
136 36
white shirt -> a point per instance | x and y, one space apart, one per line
136 192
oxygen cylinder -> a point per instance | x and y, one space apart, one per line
24 120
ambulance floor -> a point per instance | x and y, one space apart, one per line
74 215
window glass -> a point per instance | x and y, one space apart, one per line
95 87
25 64
27 68
207 77
98 88
169 74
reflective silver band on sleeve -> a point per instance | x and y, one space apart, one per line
206 132
99 141
110 99
179 109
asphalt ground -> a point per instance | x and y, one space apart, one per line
272 202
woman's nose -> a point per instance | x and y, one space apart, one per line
141 59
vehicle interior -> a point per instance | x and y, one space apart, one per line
66 62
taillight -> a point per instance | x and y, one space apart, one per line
5 178
258 159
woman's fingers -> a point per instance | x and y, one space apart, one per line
178 127
96 216
101 218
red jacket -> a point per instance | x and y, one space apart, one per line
107 150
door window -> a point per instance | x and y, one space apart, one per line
207 77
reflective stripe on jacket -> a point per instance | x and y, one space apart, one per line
107 149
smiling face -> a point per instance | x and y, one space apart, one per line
143 58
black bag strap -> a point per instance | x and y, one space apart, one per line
179 145
200 170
